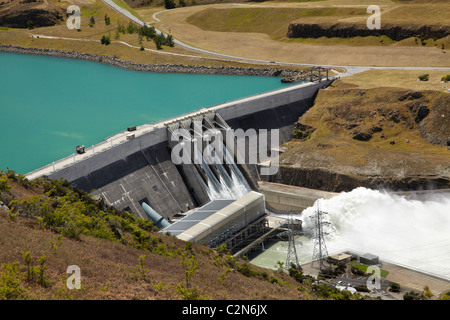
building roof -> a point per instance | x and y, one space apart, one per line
369 256
197 216
341 256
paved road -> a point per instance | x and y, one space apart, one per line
349 69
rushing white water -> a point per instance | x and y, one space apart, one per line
228 187
409 232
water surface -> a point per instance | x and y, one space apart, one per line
48 105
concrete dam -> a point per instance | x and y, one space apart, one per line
135 170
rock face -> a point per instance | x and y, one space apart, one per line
334 181
302 131
370 138
362 136
39 18
346 30
435 126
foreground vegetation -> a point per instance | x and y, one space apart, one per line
48 225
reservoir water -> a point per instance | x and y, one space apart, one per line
48 105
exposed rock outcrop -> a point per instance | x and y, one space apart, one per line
333 181
38 17
388 124
347 30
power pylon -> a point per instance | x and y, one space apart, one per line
292 257
320 251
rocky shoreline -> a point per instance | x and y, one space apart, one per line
161 68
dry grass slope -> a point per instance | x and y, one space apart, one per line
113 270
375 133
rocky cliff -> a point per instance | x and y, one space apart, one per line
29 13
347 30
377 138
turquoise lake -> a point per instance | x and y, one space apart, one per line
49 105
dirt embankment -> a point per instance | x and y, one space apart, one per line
346 30
377 138
29 13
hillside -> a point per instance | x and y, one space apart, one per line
318 32
47 226
368 130
29 13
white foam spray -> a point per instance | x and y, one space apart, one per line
409 232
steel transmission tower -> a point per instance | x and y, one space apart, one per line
292 257
320 251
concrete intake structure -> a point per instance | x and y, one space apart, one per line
130 169
235 215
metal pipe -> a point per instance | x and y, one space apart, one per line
158 220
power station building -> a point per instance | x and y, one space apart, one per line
230 222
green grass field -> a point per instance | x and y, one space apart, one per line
363 267
271 21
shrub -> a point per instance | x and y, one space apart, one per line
223 250
159 41
394 287
169 4
131 28
247 271
140 272
296 273
190 293
107 20
10 282
445 78
169 41
411 295
424 77
4 183
121 28
223 276
445 296
105 40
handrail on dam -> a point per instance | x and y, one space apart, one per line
108 143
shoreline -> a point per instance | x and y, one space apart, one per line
157 68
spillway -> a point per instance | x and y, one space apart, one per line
411 233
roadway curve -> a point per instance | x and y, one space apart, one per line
349 69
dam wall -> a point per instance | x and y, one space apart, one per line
139 168
286 198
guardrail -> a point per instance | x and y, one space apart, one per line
108 143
